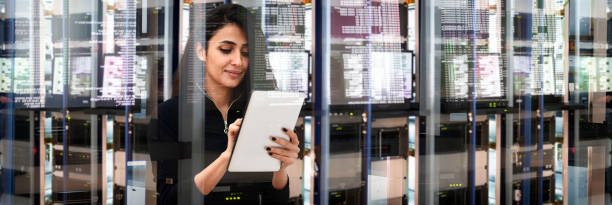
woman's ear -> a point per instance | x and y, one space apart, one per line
200 52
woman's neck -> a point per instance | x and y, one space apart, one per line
220 95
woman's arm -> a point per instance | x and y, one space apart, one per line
287 153
279 179
208 178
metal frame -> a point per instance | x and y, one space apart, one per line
321 95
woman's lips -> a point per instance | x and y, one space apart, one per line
233 73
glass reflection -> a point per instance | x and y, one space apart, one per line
540 67
431 102
79 81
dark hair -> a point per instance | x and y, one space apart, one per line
216 18
223 15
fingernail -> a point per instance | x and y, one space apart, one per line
268 148
273 138
284 129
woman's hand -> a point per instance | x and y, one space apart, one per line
232 131
288 151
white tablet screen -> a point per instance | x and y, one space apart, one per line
267 113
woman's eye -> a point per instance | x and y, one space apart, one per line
245 53
225 50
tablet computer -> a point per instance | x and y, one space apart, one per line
267 113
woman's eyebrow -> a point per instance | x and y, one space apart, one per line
227 42
232 43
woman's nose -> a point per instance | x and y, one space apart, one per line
237 59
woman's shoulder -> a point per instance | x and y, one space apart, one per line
169 104
168 108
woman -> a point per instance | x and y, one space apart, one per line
225 56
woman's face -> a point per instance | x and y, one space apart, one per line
227 57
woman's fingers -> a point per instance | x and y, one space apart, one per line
238 122
282 151
292 136
234 127
285 143
288 151
285 160
232 131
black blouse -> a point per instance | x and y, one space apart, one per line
234 188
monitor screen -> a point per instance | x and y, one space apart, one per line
6 78
114 78
122 84
488 77
369 62
58 75
22 76
549 84
542 78
116 82
281 62
290 70
455 75
80 76
140 76
471 56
